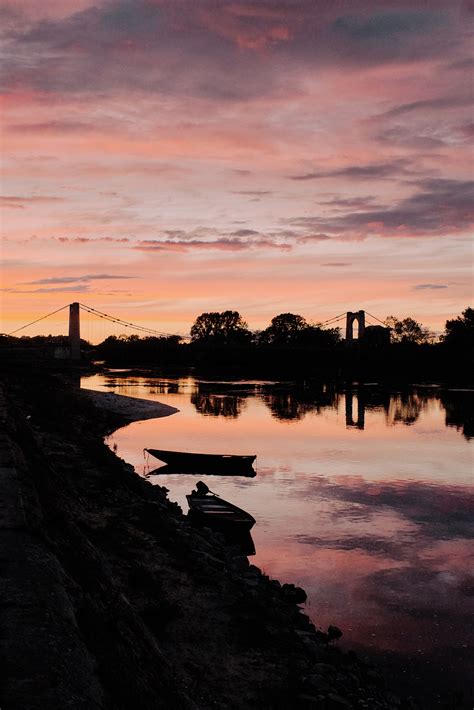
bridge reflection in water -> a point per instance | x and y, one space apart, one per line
360 421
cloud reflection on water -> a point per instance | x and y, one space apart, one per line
440 512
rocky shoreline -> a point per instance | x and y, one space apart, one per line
114 601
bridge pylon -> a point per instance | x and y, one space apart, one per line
358 316
74 332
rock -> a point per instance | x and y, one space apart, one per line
254 570
353 680
324 668
334 632
240 563
308 702
300 595
336 702
316 681
308 639
305 622
210 559
294 594
394 699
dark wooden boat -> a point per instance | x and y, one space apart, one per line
218 514
203 463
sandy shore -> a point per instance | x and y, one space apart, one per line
131 409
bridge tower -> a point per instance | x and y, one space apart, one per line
358 316
74 332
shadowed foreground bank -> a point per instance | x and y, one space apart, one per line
111 600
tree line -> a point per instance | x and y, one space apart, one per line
292 347
228 327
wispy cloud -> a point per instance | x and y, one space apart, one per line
21 202
375 171
336 263
92 240
252 193
63 126
79 288
355 203
438 206
388 26
244 233
73 279
223 244
448 103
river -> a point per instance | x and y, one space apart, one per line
364 497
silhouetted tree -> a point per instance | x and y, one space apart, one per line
320 337
292 329
226 327
284 329
459 332
133 348
376 335
39 340
408 330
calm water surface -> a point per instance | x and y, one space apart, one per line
364 498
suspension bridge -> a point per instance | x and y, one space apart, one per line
361 318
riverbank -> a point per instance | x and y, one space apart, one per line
127 605
128 409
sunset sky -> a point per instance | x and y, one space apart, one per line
167 157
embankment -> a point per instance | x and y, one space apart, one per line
111 600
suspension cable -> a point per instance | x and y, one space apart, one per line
378 319
127 324
38 320
331 320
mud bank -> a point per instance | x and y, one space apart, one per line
111 600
